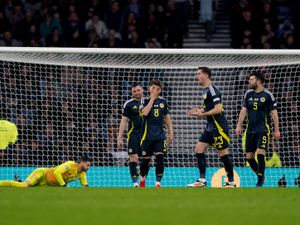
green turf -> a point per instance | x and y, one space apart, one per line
64 206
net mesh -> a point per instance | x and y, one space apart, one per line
66 105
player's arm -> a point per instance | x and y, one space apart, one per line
275 118
122 127
242 116
216 110
169 124
274 115
58 173
83 180
218 107
148 107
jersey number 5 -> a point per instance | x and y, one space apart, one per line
156 112
255 106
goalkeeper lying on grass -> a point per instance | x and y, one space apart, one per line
58 176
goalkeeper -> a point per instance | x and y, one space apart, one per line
58 176
8 134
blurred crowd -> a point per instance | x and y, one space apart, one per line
265 24
64 112
93 23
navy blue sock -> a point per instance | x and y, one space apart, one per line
159 170
144 168
261 168
253 164
201 164
133 171
228 167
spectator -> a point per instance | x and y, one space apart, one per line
54 39
8 40
4 23
174 33
134 40
114 17
206 16
32 6
98 25
48 24
74 31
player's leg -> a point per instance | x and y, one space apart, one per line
133 162
202 145
250 148
12 183
160 151
133 149
262 146
32 180
146 153
221 143
35 177
224 154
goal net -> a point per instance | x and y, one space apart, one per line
68 102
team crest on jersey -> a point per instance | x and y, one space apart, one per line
130 150
205 96
161 105
143 153
262 99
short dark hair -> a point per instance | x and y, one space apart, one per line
258 76
157 83
205 70
135 84
85 158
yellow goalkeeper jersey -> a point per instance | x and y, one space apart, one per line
8 133
63 174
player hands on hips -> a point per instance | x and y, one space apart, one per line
216 131
258 105
132 115
154 140
58 176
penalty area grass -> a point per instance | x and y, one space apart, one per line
165 206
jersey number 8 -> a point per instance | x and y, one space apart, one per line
156 112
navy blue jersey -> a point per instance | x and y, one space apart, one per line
131 110
154 125
259 106
211 97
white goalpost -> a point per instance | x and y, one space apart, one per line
67 102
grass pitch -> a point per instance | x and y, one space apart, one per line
166 206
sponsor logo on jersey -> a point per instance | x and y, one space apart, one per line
135 107
205 96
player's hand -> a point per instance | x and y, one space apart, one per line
170 140
277 135
120 143
154 94
238 131
195 112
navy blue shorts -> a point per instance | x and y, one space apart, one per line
149 147
254 141
133 144
215 138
